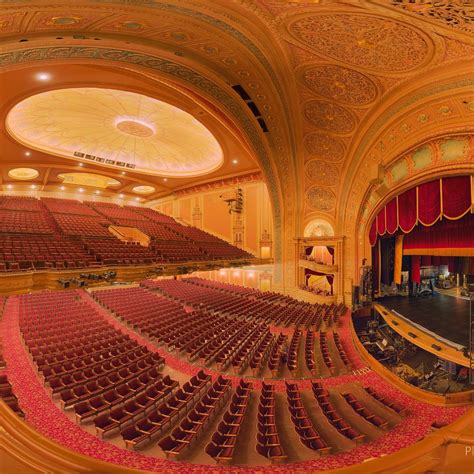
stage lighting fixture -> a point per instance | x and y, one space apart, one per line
436 347
412 335
395 323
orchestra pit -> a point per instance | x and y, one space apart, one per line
236 236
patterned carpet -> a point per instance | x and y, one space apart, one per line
45 417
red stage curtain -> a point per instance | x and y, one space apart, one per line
376 266
426 260
415 269
407 210
381 228
429 202
452 264
373 233
456 196
391 216
436 260
453 238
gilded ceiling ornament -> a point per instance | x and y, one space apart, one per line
366 41
458 14
116 128
324 146
340 84
329 116
320 199
322 173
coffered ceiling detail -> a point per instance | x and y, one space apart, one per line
369 42
340 84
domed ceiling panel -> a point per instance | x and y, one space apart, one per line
118 129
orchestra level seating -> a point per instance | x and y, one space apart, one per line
56 233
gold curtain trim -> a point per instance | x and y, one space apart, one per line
457 218
442 252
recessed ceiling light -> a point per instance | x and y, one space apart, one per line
81 190
9 186
97 191
235 161
43 76
165 179
81 164
33 186
137 199
123 172
62 188
27 153
121 196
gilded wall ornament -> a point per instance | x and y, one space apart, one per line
324 146
458 14
340 84
322 173
320 199
329 116
369 42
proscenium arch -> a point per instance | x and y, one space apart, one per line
441 84
454 168
162 69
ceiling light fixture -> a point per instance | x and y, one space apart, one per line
97 191
81 190
62 188
235 161
137 199
123 172
27 153
81 164
33 186
43 76
121 196
9 186
165 179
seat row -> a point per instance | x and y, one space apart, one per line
191 428
224 439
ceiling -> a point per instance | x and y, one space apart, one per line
124 130
50 112
329 90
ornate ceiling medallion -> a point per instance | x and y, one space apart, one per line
324 146
370 42
88 179
458 14
322 173
143 189
329 116
340 84
23 174
320 199
118 129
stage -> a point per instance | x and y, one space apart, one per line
447 316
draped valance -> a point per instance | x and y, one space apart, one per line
425 204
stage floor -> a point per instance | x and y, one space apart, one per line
446 316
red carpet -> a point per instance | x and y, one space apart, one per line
44 416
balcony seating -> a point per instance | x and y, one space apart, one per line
361 410
91 366
333 416
268 441
8 396
190 429
224 439
307 433
323 342
396 407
